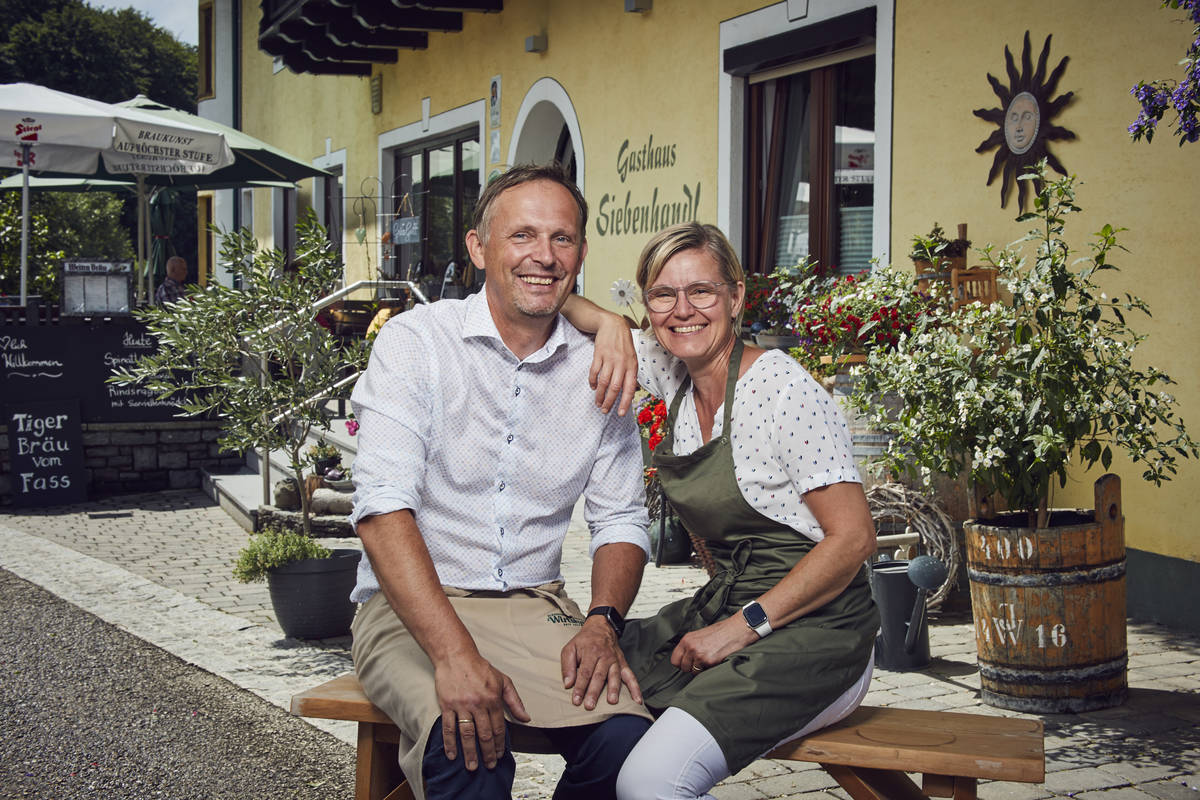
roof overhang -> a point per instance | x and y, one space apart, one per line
345 37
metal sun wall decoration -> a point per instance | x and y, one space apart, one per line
1023 120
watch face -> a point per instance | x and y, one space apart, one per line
754 614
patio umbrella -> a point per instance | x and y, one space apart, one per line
55 132
255 162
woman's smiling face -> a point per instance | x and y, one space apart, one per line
689 333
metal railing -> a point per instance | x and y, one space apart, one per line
325 302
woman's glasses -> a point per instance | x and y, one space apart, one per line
701 294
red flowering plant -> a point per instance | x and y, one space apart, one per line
772 300
652 421
855 314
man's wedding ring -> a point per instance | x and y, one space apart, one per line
466 722
697 668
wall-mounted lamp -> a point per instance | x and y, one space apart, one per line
638 6
536 44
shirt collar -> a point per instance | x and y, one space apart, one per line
478 323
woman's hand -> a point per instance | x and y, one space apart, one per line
614 365
701 649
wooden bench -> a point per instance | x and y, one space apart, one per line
868 753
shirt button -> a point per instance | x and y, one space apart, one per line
517 391
500 573
510 438
502 531
500 488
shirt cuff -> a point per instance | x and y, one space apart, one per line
828 478
632 534
371 501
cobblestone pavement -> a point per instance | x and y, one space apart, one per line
158 565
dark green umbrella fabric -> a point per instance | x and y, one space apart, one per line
162 221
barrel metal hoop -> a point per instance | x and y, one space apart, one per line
1013 675
1100 574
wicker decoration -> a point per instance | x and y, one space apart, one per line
927 520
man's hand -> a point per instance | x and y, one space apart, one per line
699 650
593 660
473 695
614 366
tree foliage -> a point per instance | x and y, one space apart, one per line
63 225
254 357
108 55
105 54
43 267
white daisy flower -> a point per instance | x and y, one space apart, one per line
623 292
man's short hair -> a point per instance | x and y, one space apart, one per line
526 173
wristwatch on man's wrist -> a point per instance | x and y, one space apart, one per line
612 615
756 618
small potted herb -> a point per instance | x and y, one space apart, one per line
310 584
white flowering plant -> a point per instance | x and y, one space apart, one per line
1011 393
624 294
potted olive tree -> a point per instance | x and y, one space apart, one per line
256 358
1013 395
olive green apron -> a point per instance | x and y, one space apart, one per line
766 692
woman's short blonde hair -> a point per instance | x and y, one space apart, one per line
669 242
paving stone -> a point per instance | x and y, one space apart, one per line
1007 790
1140 771
1122 793
792 783
736 791
1175 789
1082 779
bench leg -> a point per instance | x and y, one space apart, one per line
948 786
864 783
377 773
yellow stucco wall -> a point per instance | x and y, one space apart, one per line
943 54
631 76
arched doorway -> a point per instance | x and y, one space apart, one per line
547 130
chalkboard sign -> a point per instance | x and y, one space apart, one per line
406 230
45 449
58 362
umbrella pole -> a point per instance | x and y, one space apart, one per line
24 221
141 239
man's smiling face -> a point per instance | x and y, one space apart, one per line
533 250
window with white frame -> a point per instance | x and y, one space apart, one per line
811 161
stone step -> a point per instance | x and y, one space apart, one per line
241 493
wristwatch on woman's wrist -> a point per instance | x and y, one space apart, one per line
756 618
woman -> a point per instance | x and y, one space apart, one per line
757 461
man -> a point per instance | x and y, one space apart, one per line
173 288
478 434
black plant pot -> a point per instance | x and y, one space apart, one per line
311 597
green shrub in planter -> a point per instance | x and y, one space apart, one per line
273 548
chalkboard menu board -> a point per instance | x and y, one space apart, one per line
45 449
58 362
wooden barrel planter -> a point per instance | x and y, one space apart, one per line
1049 607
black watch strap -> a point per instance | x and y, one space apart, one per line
612 615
